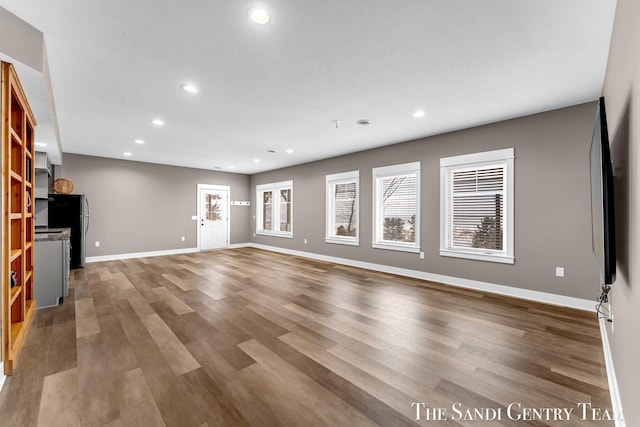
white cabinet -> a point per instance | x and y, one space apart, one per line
51 272
42 162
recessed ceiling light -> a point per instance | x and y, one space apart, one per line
271 151
128 154
364 122
190 88
41 144
232 167
289 150
259 16
256 160
157 122
138 141
418 114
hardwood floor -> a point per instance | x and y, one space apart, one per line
247 337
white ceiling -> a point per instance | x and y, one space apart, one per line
116 65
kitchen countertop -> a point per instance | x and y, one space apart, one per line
52 234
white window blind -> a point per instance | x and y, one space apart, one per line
477 206
396 210
342 208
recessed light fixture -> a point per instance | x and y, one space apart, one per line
190 88
157 122
128 154
271 151
232 167
259 16
138 141
289 150
256 160
418 114
364 122
41 144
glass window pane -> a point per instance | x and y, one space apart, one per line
285 210
399 201
267 210
345 209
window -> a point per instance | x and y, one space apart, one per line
274 209
476 206
396 207
343 200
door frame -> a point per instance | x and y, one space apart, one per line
199 207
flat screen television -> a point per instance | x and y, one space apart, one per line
602 206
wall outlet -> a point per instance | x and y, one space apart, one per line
97 244
559 271
254 234
305 241
182 238
194 217
421 255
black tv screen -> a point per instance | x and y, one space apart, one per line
602 206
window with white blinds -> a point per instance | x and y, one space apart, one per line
274 209
396 210
477 206
343 208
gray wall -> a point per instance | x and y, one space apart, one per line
140 207
552 204
622 94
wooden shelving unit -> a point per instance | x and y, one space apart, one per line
18 305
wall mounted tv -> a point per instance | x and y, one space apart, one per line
602 206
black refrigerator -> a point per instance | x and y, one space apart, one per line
71 211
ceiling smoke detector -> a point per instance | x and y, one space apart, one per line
364 122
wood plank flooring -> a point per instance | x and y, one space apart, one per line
246 337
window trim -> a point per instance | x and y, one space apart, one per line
275 187
331 180
470 162
383 172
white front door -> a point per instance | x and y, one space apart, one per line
213 216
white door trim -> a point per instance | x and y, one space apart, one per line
199 207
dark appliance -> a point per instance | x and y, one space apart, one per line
71 211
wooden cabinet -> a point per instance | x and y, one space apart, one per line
18 204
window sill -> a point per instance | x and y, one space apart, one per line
343 242
392 247
503 259
275 234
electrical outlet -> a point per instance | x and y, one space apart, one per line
97 244
182 238
194 217
559 271
305 241
254 234
421 255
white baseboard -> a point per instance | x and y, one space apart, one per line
616 402
115 257
543 297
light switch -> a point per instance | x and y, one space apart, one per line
560 271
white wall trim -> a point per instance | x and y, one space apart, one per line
239 245
3 377
547 298
616 402
115 257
